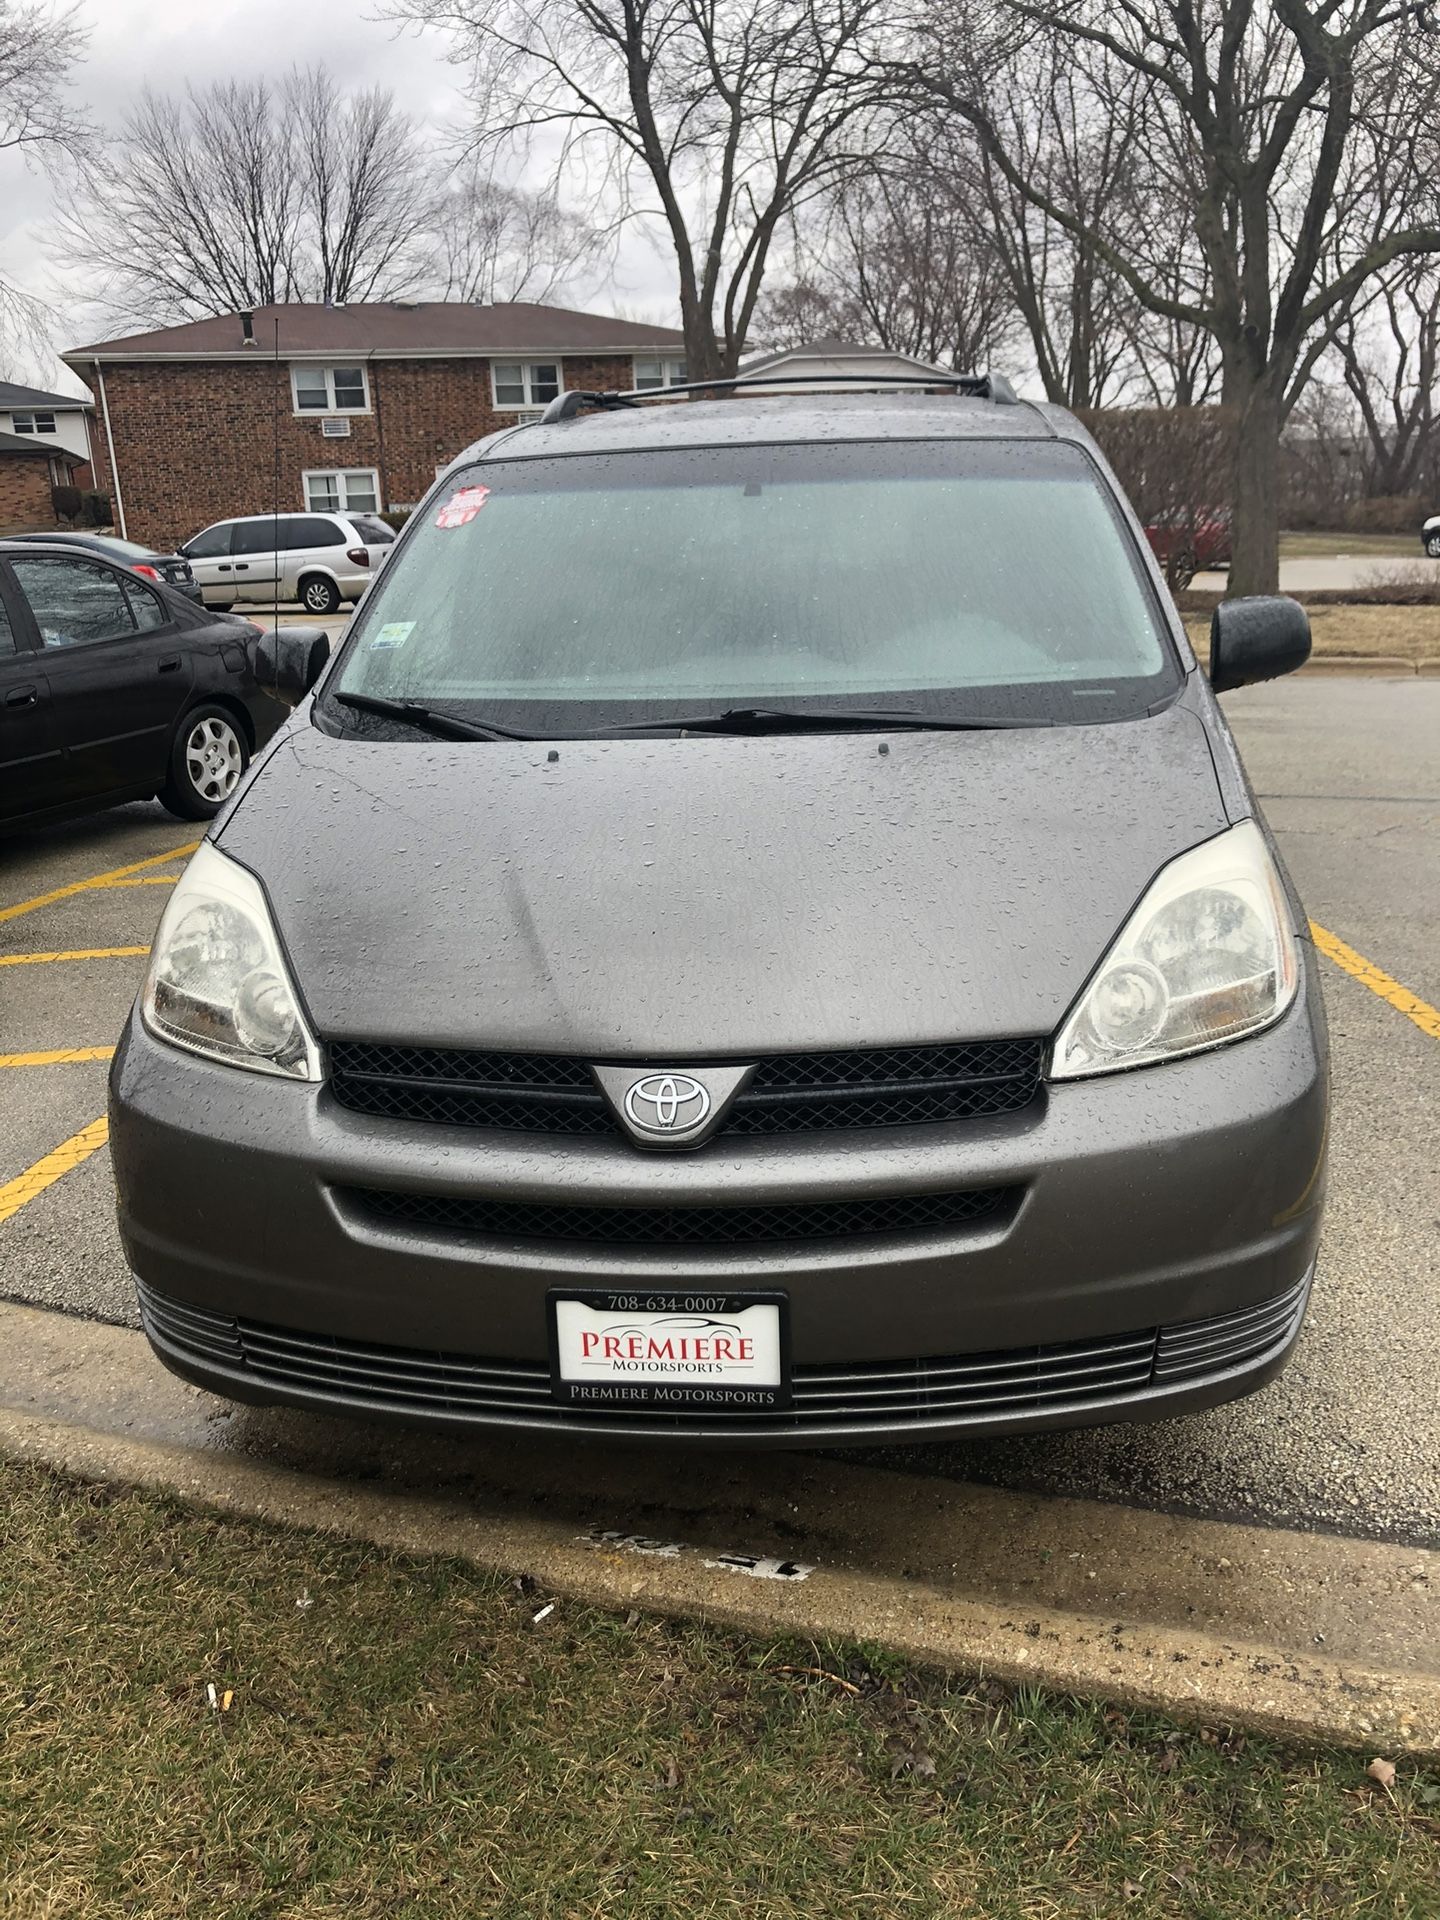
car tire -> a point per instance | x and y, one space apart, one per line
319 595
207 757
1432 546
217 606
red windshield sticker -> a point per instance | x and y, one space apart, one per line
462 505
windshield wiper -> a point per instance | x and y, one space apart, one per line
445 726
786 720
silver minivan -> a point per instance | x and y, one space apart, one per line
759 933
319 559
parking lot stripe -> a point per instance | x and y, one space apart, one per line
72 953
117 876
1426 1017
55 1057
19 1192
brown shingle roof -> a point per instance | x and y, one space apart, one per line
27 397
392 327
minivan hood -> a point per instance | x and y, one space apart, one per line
658 898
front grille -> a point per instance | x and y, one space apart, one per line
766 1223
789 1092
1036 1382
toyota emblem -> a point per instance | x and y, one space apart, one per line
666 1103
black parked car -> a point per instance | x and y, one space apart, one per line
172 570
113 688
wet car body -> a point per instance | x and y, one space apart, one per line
862 944
117 711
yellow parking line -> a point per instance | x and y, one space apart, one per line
145 880
56 1057
71 953
73 1152
116 876
1426 1017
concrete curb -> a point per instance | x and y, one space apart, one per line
1197 1619
1376 665
1185 1676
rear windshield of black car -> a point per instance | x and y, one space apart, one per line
955 579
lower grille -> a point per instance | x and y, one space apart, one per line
1034 1382
788 1093
683 1226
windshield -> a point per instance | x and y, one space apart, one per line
944 578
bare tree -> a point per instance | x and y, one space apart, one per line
899 258
718 118
493 242
1079 314
1389 356
1299 138
359 162
39 43
812 306
244 194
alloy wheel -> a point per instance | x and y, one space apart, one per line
213 758
320 597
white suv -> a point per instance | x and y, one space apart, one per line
318 559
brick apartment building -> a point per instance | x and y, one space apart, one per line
365 402
29 473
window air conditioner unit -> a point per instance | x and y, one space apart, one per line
335 429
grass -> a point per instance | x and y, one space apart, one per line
1326 546
1407 633
406 1737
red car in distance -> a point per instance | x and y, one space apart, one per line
1190 541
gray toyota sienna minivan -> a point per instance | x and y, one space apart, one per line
759 933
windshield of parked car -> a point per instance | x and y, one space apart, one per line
941 577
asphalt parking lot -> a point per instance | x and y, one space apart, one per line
1348 1439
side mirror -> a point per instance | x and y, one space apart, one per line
1257 639
289 660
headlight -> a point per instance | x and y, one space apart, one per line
218 983
1208 955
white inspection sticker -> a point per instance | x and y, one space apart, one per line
393 634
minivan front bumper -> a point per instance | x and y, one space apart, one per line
1152 1254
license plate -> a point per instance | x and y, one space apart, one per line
687 1351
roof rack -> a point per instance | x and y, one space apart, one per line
974 386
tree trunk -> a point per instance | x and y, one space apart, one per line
1255 492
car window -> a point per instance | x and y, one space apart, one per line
212 544
255 536
310 530
374 532
74 601
7 633
964 578
148 608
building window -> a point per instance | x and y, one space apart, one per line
665 372
525 383
330 389
32 422
357 491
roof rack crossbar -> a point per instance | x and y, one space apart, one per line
974 386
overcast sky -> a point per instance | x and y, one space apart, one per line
165 43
